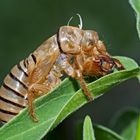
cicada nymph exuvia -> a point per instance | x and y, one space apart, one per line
42 70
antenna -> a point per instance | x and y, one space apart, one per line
81 22
69 21
80 19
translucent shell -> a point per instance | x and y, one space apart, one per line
72 52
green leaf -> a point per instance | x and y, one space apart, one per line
103 133
88 132
126 123
136 6
138 129
62 101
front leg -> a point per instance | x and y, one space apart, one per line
77 74
84 88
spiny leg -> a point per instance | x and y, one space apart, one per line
85 89
79 76
31 98
76 74
37 76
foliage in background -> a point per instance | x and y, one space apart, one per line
136 6
101 132
88 132
131 131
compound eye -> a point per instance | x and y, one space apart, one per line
90 42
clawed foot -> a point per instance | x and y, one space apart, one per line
90 98
34 118
32 114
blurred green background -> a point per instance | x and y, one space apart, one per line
26 24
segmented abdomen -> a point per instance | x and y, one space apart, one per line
13 92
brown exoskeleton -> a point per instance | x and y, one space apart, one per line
71 51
